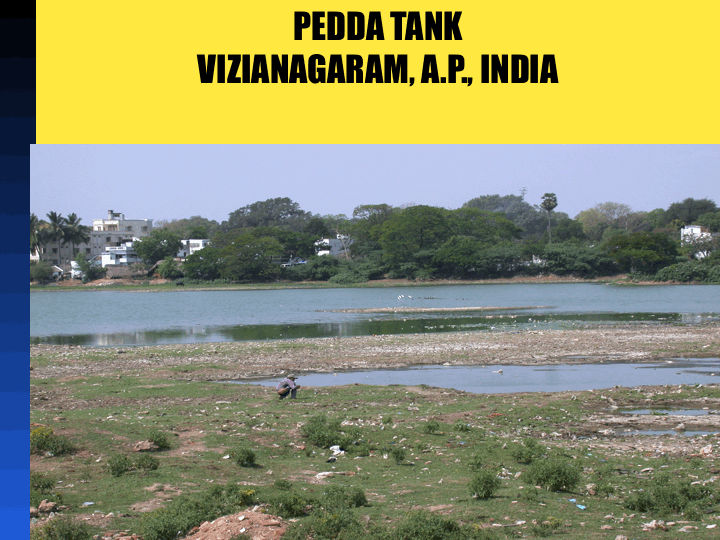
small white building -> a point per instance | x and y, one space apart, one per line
122 255
191 246
697 235
334 246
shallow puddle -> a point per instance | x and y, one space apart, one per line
502 379
670 412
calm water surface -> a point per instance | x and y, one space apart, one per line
502 379
114 318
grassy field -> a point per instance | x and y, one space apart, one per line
521 465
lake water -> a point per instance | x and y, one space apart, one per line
119 318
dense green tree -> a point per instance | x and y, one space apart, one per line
515 208
279 212
642 251
41 272
294 244
687 211
572 259
90 271
169 269
457 257
251 259
549 203
413 230
569 229
159 245
367 228
483 225
196 227
203 265
318 228
711 220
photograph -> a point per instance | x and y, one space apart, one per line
389 342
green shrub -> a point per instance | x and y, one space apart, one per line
431 427
387 420
527 452
324 525
118 465
546 527
43 439
398 454
61 528
146 462
41 487
290 505
322 432
554 475
427 526
343 497
41 483
666 496
283 485
244 456
461 426
484 485
159 439
186 512
476 462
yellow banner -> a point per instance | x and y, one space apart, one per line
376 72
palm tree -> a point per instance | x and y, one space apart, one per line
75 233
56 231
34 230
549 202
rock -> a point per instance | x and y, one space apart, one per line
687 528
621 537
45 507
606 528
33 512
145 446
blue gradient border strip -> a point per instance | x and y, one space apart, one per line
17 133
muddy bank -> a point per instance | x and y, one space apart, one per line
253 359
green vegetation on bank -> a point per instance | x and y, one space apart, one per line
489 237
417 462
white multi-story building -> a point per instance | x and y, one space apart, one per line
109 232
191 246
116 230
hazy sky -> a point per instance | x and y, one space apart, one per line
179 181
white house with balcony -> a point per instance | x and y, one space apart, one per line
122 255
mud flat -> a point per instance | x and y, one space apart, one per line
258 359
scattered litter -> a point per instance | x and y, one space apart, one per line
88 503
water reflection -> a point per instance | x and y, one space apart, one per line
379 325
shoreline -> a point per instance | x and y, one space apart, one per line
163 285
248 360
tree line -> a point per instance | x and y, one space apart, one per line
491 236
